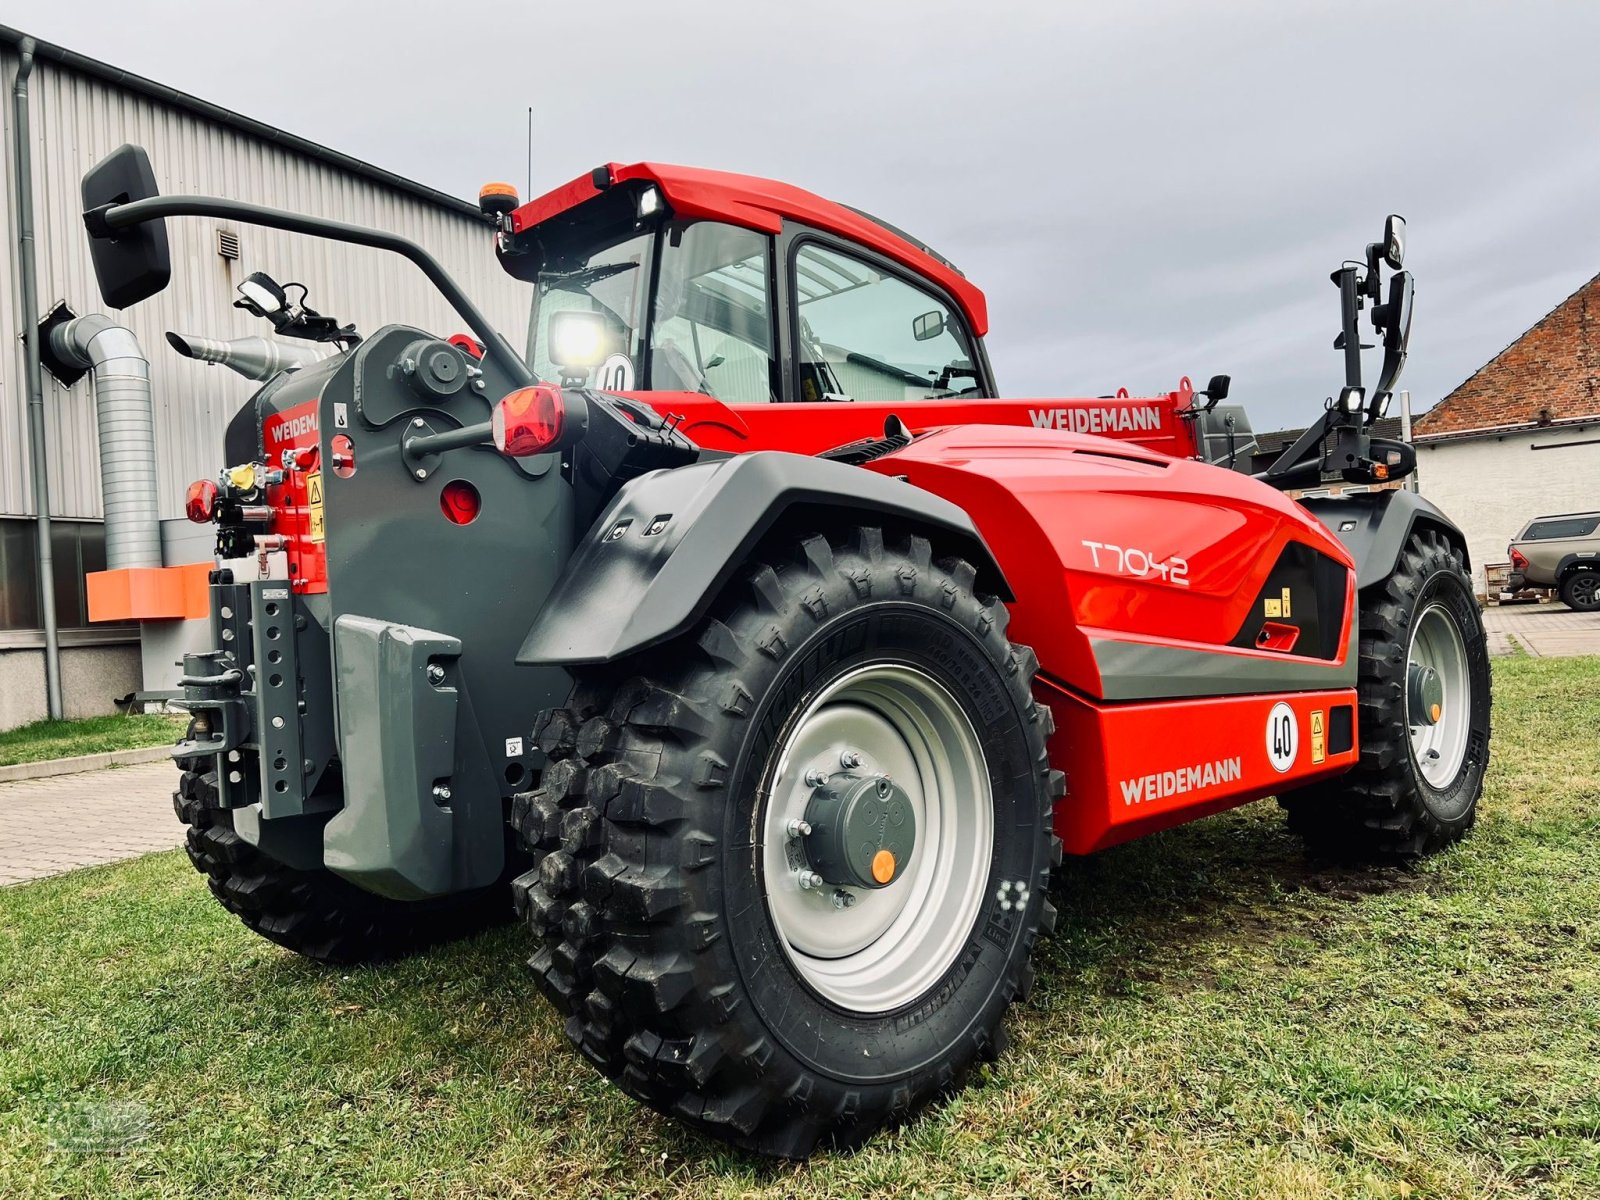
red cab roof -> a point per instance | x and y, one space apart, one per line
761 204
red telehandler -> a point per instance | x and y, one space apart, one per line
766 662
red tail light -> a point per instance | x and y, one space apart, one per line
200 504
1519 560
529 420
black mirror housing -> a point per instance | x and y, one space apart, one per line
1219 387
130 264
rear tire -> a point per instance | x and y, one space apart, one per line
1416 786
666 900
315 913
1580 591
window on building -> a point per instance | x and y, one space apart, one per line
871 336
1560 527
76 548
713 328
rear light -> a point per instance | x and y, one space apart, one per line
529 420
200 504
1519 560
460 502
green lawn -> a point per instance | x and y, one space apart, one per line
91 735
1217 1017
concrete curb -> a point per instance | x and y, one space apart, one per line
83 762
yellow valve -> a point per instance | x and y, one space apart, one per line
243 478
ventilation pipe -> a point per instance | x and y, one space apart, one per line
126 419
255 358
28 269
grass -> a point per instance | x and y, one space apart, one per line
1217 1017
91 735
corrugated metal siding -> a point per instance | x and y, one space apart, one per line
76 121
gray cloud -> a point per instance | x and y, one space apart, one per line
1144 190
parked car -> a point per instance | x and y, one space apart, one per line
1560 552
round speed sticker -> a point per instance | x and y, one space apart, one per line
1283 737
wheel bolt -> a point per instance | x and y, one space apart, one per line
435 674
850 760
798 828
843 899
815 778
810 880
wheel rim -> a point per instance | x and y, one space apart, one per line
1439 743
1586 588
892 943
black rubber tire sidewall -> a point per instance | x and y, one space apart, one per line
1569 590
1446 588
969 995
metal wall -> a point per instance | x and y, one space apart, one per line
77 119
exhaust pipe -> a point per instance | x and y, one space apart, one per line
255 358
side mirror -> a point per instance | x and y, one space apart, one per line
262 295
1218 388
1394 241
927 326
1394 317
130 264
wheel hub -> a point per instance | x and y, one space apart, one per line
1426 694
863 831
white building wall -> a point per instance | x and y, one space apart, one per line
76 120
1492 486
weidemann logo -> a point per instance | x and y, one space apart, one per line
1184 779
293 427
1128 418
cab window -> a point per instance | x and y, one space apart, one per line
588 316
868 335
713 328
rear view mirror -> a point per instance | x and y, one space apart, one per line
1218 388
130 264
1395 316
1394 241
927 326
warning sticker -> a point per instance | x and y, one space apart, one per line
314 505
1319 739
514 747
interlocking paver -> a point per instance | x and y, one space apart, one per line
107 815
1545 630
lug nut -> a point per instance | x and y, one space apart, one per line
843 899
850 760
815 778
799 828
435 674
883 787
441 792
810 880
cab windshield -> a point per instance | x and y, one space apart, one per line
588 317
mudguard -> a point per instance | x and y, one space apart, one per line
657 557
1375 525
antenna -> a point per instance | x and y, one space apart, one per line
529 192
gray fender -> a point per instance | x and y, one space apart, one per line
654 561
1375 525
1588 560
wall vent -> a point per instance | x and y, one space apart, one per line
228 244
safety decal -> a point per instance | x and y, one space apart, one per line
514 747
1319 737
1283 737
314 506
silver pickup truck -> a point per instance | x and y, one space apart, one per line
1561 552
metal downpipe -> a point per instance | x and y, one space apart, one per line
23 200
125 417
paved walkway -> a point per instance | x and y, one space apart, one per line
1549 630
48 826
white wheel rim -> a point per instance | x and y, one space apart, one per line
893 943
1439 748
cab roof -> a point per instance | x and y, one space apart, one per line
763 205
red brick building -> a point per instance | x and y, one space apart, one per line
1520 438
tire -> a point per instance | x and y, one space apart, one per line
655 902
316 913
1580 591
1400 800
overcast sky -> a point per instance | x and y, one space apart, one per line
1144 190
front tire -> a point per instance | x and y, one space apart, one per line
695 968
1423 689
